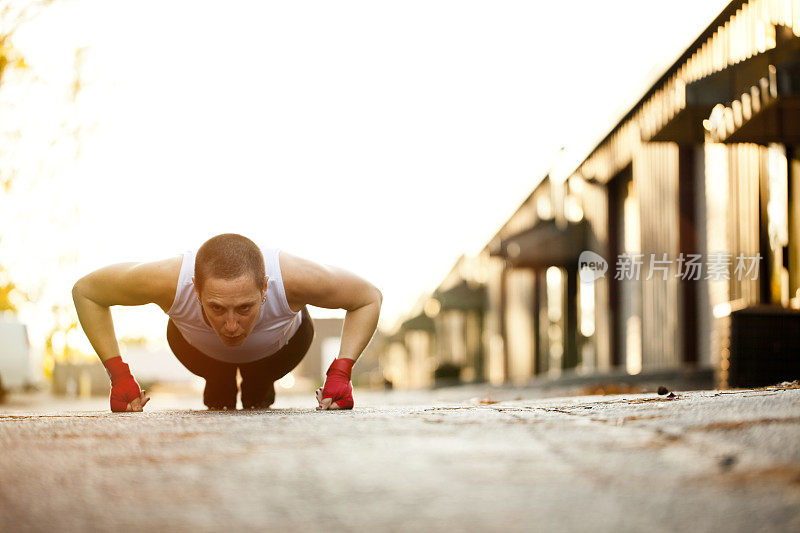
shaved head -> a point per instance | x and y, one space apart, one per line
229 256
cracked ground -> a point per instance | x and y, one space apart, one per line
699 460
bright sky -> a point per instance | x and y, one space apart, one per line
386 138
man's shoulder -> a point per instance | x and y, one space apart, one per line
166 269
298 276
164 275
294 268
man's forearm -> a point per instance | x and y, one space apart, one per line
359 326
98 326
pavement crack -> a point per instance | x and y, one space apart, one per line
451 408
727 425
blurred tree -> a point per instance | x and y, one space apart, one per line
12 15
62 341
10 296
30 155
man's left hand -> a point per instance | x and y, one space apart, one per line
337 393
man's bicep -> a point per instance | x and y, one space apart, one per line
340 289
325 286
124 284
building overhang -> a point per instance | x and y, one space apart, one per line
397 336
420 322
463 297
779 121
700 97
545 244
686 127
769 112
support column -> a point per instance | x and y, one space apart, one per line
687 244
570 359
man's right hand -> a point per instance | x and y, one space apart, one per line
125 392
137 404
126 396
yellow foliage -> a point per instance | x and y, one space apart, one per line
48 364
6 298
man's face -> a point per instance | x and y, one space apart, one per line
231 307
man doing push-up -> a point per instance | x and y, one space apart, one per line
232 306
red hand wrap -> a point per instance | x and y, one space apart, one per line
124 388
337 384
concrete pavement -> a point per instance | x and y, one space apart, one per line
437 460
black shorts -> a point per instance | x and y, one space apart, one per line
257 376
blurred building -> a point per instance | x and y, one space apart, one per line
310 373
20 363
692 199
408 358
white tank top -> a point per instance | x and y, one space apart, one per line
275 325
